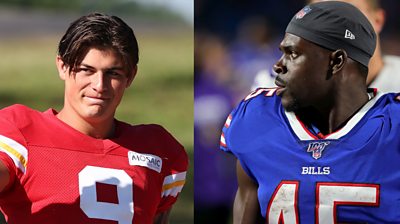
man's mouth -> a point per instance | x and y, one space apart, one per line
281 86
96 99
279 82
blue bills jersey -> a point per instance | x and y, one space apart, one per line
350 176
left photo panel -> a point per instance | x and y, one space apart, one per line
96 111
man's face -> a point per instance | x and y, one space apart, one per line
94 89
303 75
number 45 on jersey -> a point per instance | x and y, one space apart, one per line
283 206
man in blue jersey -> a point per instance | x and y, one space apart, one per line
320 148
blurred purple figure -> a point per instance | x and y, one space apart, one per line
214 180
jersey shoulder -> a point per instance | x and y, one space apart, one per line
13 143
19 114
31 124
152 134
17 120
260 107
153 139
261 100
385 114
389 104
392 101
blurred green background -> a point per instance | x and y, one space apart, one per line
161 93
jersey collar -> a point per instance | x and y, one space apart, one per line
304 134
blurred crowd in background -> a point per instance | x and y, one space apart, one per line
236 42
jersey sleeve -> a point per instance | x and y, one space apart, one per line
175 175
257 100
225 135
244 120
13 151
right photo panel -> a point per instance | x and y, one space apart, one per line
296 111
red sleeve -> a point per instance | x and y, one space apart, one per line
14 153
175 175
9 164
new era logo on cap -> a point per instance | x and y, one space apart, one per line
349 35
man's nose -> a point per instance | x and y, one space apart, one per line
99 82
279 68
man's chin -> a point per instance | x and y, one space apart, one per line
289 105
95 112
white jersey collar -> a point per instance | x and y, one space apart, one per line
304 134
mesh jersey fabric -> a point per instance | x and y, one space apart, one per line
63 176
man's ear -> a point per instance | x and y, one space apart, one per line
62 68
338 60
132 76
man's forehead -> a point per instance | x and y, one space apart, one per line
291 40
102 57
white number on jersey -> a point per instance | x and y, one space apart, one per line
329 195
269 92
121 212
283 204
282 207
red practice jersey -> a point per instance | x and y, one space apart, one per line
59 175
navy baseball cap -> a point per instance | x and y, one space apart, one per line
336 25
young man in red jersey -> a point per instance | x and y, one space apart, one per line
81 165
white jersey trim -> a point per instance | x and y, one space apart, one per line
304 135
17 152
173 184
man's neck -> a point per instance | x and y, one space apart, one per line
332 119
100 129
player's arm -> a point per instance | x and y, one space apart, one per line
4 176
162 218
246 209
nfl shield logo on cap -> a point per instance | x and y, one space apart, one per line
303 12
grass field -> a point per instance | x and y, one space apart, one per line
162 92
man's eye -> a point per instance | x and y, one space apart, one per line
85 70
114 74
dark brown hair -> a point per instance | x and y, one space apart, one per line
100 31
